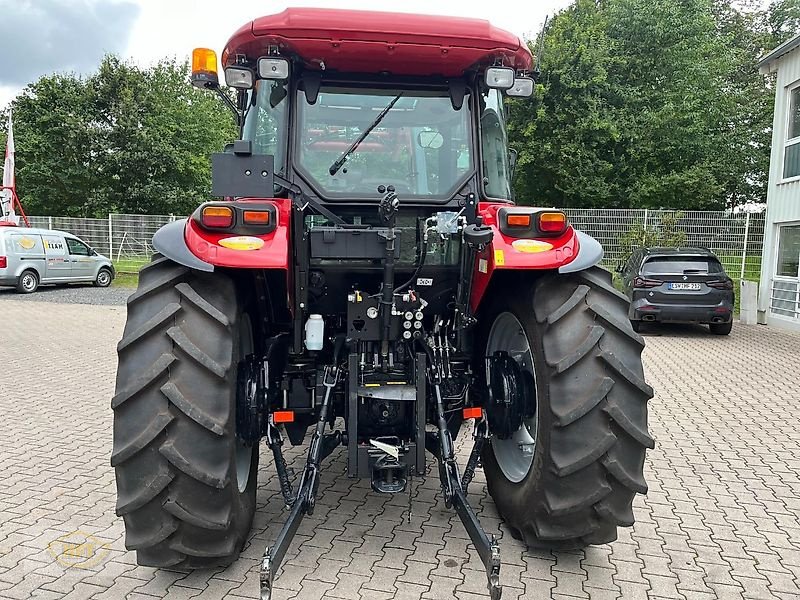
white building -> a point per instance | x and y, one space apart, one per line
779 296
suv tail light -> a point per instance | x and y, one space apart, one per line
644 282
3 262
725 284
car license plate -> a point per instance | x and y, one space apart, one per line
684 286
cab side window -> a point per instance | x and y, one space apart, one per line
77 248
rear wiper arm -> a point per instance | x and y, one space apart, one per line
339 162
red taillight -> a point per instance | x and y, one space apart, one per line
217 217
720 285
644 282
552 222
3 262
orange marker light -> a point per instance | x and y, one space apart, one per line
283 416
519 220
256 217
552 222
218 217
473 412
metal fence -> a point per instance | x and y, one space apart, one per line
737 238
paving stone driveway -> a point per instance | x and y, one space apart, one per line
720 521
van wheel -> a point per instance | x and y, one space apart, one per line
103 278
28 282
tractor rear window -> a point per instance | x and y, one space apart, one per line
421 145
678 265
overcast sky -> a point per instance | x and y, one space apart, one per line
46 36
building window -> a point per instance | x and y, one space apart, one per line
785 293
788 251
791 157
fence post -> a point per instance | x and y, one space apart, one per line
110 238
50 223
744 246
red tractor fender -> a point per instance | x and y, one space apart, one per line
188 244
569 252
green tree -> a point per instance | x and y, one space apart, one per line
124 139
650 103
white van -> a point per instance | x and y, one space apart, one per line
30 257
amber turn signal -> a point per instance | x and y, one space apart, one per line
217 217
519 221
256 217
552 222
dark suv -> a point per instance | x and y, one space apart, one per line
678 285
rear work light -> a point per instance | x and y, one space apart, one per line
217 217
256 217
720 285
552 222
3 262
644 282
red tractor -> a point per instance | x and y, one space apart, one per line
365 279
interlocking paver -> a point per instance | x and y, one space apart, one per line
721 520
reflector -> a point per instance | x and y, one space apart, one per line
283 416
519 220
256 217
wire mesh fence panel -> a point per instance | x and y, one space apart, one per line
131 238
737 238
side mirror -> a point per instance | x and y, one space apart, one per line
430 139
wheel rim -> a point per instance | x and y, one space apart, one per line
28 282
103 278
244 452
515 454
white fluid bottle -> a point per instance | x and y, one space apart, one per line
315 332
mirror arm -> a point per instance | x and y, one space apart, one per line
238 114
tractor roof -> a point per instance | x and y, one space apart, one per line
379 42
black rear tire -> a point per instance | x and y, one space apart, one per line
721 328
591 430
28 282
175 446
636 326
